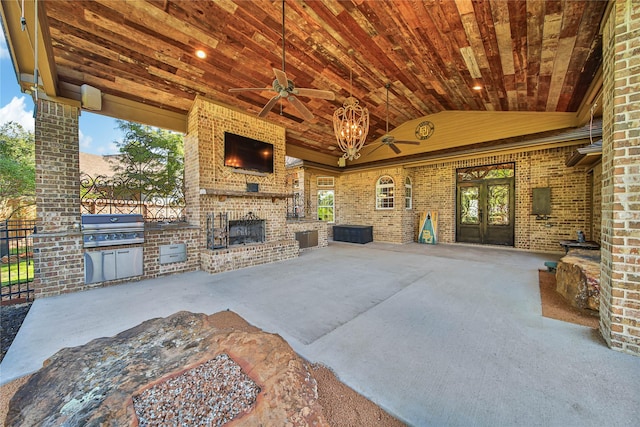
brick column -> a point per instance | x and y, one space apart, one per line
620 271
198 153
58 253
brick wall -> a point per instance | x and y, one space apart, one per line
236 257
570 199
58 266
355 204
170 235
620 271
212 188
596 203
57 252
57 167
434 189
294 226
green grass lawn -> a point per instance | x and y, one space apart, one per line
20 273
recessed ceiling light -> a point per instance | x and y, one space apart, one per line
477 87
201 54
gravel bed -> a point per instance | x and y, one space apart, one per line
210 394
11 318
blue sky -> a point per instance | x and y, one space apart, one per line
97 133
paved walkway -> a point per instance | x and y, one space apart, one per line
445 335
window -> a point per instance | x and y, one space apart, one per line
408 193
384 193
325 181
325 205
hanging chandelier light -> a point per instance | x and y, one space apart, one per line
351 124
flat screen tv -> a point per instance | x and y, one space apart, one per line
248 154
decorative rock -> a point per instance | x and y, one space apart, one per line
93 385
578 278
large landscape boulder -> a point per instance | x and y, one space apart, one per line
95 384
578 278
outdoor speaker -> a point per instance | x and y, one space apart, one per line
252 187
91 98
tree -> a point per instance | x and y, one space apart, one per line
151 159
17 168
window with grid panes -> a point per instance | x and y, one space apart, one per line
408 193
325 205
325 181
385 193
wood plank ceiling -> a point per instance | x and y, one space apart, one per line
527 55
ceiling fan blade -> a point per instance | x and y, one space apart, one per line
242 89
315 93
281 76
394 148
300 107
408 142
269 106
371 152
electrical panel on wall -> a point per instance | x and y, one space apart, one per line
541 203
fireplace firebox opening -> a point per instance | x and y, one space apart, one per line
223 232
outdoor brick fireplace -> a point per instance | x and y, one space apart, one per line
246 207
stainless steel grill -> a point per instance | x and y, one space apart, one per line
112 229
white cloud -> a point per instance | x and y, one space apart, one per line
85 141
108 148
4 51
16 111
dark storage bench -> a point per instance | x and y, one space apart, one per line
353 233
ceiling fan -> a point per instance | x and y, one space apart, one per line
388 139
285 89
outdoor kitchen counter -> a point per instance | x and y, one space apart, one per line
153 226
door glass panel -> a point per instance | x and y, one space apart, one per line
505 170
469 205
498 204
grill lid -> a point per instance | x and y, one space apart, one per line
123 219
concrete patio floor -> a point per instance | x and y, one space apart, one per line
444 335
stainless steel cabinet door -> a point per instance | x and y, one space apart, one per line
128 262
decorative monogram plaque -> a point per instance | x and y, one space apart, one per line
424 130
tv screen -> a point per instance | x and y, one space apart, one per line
245 153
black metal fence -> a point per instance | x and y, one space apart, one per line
108 195
16 260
